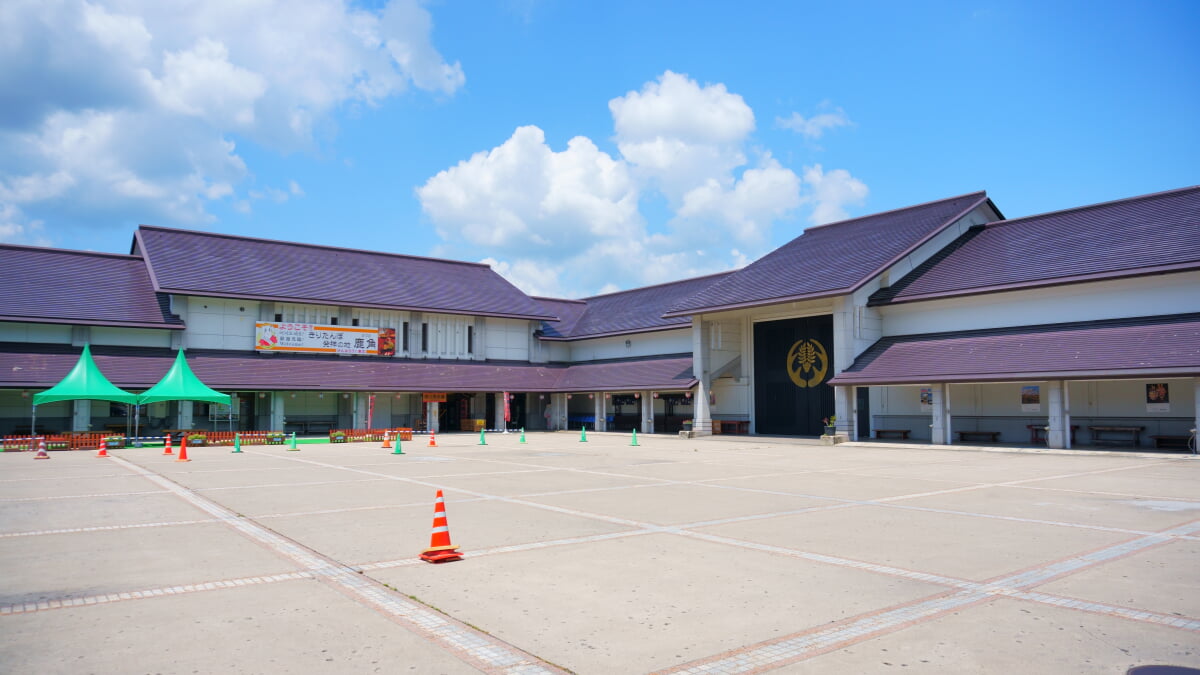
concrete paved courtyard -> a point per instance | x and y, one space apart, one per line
715 555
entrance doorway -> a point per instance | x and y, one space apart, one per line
793 359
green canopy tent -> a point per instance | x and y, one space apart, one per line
85 381
181 384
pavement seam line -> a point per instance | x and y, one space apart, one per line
472 646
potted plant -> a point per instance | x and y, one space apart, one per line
687 425
197 439
830 425
337 437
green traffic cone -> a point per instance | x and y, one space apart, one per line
482 438
583 434
397 451
237 442
522 434
293 446
634 443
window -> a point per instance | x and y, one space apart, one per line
333 321
404 338
470 339
353 322
424 337
278 317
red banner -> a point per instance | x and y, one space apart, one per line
507 409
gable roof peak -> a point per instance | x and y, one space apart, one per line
1096 206
977 195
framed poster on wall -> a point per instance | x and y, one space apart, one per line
1158 397
1031 398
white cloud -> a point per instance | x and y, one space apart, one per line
567 222
678 134
814 127
748 208
831 192
121 111
529 276
203 83
523 195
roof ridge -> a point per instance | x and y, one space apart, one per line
225 235
49 249
1085 207
665 283
550 299
981 193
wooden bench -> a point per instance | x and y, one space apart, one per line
731 426
900 433
988 436
1171 441
1129 435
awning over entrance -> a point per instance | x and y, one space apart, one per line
1138 347
30 365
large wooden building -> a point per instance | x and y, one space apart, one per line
941 322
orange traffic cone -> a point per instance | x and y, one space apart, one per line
183 450
387 439
41 453
432 440
167 447
440 549
103 451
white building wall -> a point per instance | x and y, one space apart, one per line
675 341
448 336
291 312
219 323
1115 299
507 339
40 333
556 352
130 337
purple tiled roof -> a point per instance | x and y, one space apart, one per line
662 373
1143 235
1138 347
831 259
202 263
634 311
568 313
43 285
37 366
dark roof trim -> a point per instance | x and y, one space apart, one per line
1042 283
85 322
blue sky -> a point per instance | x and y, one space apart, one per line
578 147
